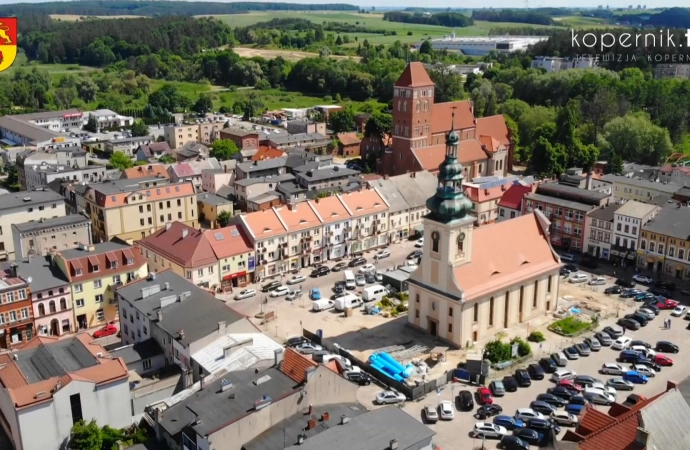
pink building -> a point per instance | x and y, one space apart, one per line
51 296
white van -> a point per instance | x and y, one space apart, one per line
348 301
350 282
322 305
374 293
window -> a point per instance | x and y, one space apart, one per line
100 315
661 249
681 253
450 312
78 287
99 298
146 331
643 245
116 279
671 252
51 307
416 299
79 302
13 316
41 310
75 405
96 268
491 312
548 286
189 274
435 238
97 284
476 312
25 313
450 327
147 364
200 272
536 294
651 246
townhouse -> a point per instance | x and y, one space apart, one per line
94 272
398 208
247 190
264 168
133 209
416 188
303 242
325 178
212 180
642 189
369 224
245 139
599 226
191 151
510 204
25 206
153 151
665 244
485 193
16 313
336 221
628 221
191 171
235 256
71 156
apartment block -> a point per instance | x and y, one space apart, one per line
628 221
639 188
70 156
25 206
94 272
16 313
47 236
180 134
665 244
133 209
38 176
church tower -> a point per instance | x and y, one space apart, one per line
448 227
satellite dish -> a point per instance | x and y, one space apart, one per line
30 279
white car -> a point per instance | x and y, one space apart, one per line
389 397
644 279
297 279
280 291
490 430
621 343
383 254
294 295
245 294
419 243
597 281
577 278
562 374
525 414
679 311
647 352
564 418
612 369
367 268
447 410
602 387
308 347
643 370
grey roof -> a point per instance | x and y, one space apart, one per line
605 213
418 189
192 149
264 164
285 432
197 314
327 173
212 199
391 193
137 352
64 168
673 222
54 360
29 199
155 147
635 209
285 139
241 132
25 129
269 179
131 139
372 431
559 202
265 197
668 421
215 409
565 191
103 247
65 221
298 156
43 275
668 188
46 114
225 191
684 191
131 185
290 187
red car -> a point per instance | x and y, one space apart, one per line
570 384
484 396
107 330
667 304
662 360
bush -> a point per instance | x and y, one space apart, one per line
385 302
402 307
536 336
497 351
570 325
524 348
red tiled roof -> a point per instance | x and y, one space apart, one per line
442 116
233 242
266 152
88 259
494 126
153 170
414 75
348 138
512 198
592 420
478 195
182 170
431 157
190 250
295 365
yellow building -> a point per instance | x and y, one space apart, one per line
133 209
93 273
665 244
210 206
640 189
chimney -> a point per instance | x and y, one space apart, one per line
202 382
167 286
159 314
344 419
278 356
588 182
181 333
642 437
185 232
221 328
393 444
311 424
325 416
308 372
13 270
670 384
168 225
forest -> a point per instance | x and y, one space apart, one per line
159 8
445 19
511 15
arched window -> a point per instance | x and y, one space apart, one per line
51 306
399 103
41 310
63 304
419 106
435 238
426 105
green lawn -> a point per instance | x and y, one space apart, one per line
584 22
276 99
55 69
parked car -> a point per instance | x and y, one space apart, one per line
485 411
294 341
644 279
280 291
614 332
245 293
308 348
488 430
484 396
570 384
620 384
563 374
666 303
415 254
561 392
359 378
497 388
320 272
360 280
621 343
584 380
430 414
679 311
644 351
660 291
646 312
625 283
582 349
613 290
635 377
599 397
419 242
294 295
543 426
551 399
548 365
643 370
389 397
603 338
296 279
359 261
663 360
522 377
667 347
536 372
370 278
668 285
593 344
530 436
577 278
268 287
629 324
513 443
564 418
510 383
446 410
338 267
639 318
315 294
571 353
509 423
383 254
597 281
367 268
107 330
612 369
643 296
465 401
652 306
629 356
527 413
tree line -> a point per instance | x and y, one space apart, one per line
159 8
445 19
511 15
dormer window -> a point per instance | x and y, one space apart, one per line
77 272
95 268
130 261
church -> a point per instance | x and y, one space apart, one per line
474 282
420 125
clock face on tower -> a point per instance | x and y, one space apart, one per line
461 237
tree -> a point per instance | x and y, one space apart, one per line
139 128
342 121
91 124
615 165
224 218
598 110
448 85
64 96
378 125
224 149
339 40
120 161
635 138
484 99
86 436
203 104
426 48
86 90
167 159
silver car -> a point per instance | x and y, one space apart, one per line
603 338
620 384
430 414
612 369
593 344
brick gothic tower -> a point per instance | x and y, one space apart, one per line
413 103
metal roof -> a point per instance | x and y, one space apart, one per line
54 360
29 199
390 192
250 349
137 352
673 222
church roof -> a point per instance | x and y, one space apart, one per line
505 253
442 116
414 75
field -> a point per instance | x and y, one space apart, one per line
584 22
75 18
54 69
290 55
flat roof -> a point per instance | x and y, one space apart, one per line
44 224
635 209
673 222
29 199
26 129
213 199
559 202
44 275
137 352
557 188
606 213
668 188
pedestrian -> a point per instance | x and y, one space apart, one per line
669 324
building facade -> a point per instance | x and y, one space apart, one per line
628 221
51 235
641 189
599 232
16 313
179 135
510 205
128 146
665 244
